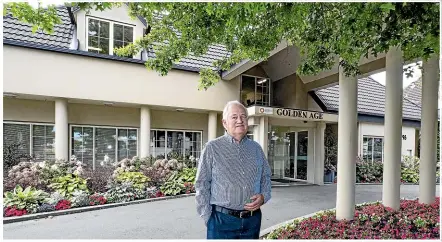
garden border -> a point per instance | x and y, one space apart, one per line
270 229
7 220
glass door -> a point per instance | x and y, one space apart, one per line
296 166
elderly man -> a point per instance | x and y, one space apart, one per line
233 180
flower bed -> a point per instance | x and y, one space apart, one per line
36 187
371 221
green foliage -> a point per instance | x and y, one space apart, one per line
117 192
68 184
369 172
28 199
188 175
138 180
323 31
80 198
173 186
410 169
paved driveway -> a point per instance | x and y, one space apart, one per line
177 218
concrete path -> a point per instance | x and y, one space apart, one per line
177 218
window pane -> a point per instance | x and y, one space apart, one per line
17 133
104 146
174 143
160 144
103 44
122 144
248 90
128 34
43 142
104 30
93 27
93 42
365 155
192 144
377 149
118 44
118 32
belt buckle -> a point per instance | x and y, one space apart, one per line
240 214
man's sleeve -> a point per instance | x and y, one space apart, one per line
202 184
266 185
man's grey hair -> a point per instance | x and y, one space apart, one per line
229 104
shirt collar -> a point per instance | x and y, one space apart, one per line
232 140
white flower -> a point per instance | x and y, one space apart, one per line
42 164
54 167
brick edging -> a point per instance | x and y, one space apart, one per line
7 220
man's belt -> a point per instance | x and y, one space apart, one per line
236 213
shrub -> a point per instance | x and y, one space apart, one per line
97 199
173 186
63 204
138 180
161 170
98 179
130 165
55 198
68 184
58 168
25 174
367 171
28 199
13 211
410 169
45 207
117 192
12 156
80 199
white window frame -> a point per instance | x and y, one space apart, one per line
111 32
372 152
256 79
31 136
93 138
176 130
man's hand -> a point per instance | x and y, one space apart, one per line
258 200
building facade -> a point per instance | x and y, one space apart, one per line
68 94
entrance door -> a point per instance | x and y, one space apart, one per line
296 166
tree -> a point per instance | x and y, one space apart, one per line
322 31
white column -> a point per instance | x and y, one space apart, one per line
256 133
212 126
393 128
347 146
61 129
263 133
427 168
144 131
319 153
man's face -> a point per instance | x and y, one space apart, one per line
236 122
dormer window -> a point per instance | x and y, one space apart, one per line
103 35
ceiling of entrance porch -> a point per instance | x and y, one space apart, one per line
285 59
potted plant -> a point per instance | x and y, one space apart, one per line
329 172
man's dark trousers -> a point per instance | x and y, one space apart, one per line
224 226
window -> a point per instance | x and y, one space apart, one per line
255 91
37 140
103 36
373 148
101 146
168 143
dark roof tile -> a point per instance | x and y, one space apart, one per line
371 99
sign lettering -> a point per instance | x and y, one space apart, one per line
299 113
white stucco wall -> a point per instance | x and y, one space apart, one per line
373 129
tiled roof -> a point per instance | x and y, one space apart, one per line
371 99
15 30
413 92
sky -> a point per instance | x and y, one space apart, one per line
380 77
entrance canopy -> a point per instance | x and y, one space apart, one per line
289 113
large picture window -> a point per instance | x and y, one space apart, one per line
255 91
37 140
373 148
101 146
103 36
170 143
